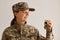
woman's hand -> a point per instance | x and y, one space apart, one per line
48 24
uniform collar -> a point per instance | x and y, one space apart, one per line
18 26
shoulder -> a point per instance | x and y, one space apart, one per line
8 30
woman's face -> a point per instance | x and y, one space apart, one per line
22 15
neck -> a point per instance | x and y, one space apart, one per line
20 21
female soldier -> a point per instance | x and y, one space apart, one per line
19 30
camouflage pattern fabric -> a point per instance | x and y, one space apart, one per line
24 32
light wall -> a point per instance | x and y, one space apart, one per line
45 9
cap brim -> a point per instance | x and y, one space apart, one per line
31 9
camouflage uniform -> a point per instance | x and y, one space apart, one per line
24 32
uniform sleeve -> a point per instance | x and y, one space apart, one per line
4 37
49 34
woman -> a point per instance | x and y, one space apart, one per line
19 30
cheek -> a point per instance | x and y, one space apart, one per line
21 16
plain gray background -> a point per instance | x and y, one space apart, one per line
45 9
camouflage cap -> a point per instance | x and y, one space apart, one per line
21 6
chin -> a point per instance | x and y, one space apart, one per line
24 20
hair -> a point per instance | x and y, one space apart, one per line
15 10
13 21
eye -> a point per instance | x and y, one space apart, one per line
22 12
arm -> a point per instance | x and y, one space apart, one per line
49 35
3 36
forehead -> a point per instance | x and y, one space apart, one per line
27 10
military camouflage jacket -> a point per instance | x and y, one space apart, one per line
24 32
